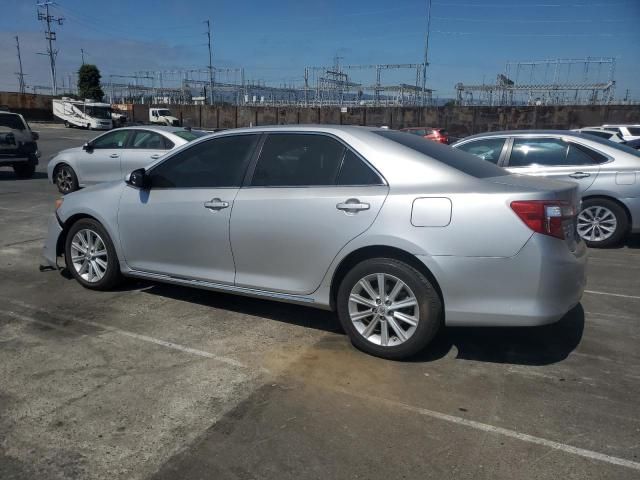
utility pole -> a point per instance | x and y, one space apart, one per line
82 53
20 74
51 37
426 54
210 61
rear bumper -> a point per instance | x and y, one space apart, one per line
50 250
24 152
537 286
633 205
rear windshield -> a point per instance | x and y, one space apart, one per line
464 162
189 135
14 122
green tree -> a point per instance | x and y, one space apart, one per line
89 82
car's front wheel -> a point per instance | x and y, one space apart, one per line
602 222
388 308
90 255
65 179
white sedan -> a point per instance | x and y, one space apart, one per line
114 154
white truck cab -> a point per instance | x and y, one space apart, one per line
163 116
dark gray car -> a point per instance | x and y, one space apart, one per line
607 174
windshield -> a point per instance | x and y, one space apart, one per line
98 112
164 113
12 121
189 135
464 162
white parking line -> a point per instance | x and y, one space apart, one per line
590 454
612 294
126 333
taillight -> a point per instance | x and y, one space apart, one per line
544 216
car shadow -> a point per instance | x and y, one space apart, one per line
515 345
6 175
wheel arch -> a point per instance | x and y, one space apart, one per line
66 226
379 251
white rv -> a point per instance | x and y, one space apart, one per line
86 114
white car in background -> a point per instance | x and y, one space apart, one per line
606 134
627 132
114 154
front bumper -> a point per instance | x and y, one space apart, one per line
50 250
633 205
537 286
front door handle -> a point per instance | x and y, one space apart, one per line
216 204
353 205
579 175
114 155
155 156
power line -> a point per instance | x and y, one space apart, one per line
520 20
51 37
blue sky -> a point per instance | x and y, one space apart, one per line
470 39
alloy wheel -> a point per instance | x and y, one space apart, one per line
596 223
383 309
89 255
64 179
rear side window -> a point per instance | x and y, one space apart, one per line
13 122
451 157
356 172
488 149
298 160
550 152
216 163
147 140
634 130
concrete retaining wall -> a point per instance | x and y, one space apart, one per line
460 121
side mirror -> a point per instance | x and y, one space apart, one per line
87 147
138 179
35 136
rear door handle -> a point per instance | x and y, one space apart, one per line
216 204
155 156
114 155
579 175
353 205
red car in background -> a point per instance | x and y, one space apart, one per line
436 134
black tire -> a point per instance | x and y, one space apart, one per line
428 302
621 222
111 276
65 179
24 170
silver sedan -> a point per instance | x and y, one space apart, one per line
113 154
398 235
607 174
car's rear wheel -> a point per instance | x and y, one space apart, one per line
388 308
24 170
602 222
65 178
90 255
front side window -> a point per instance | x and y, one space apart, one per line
216 163
488 149
116 139
298 160
147 140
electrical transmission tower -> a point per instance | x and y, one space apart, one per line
20 74
50 36
210 60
